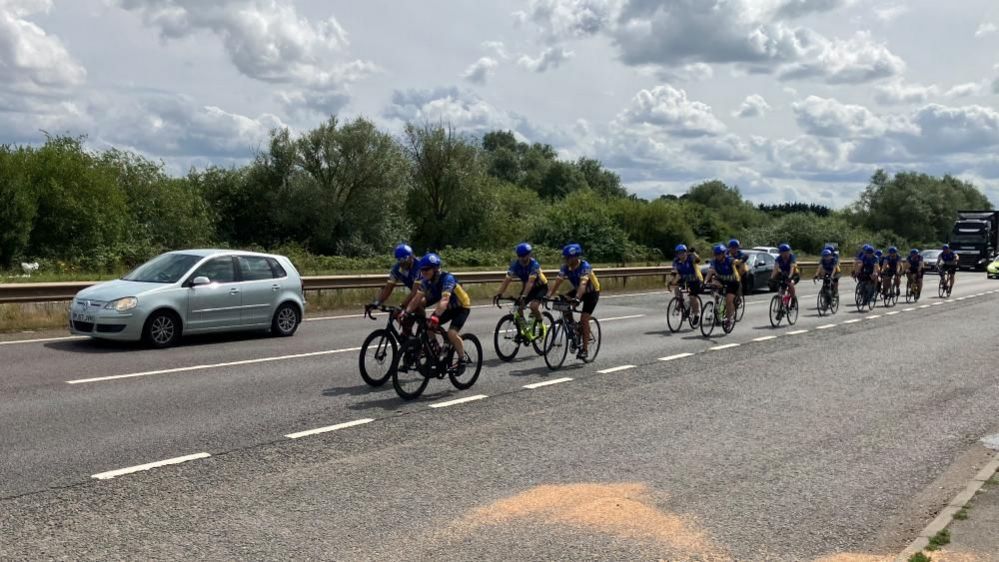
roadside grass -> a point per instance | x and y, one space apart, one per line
919 557
942 538
963 514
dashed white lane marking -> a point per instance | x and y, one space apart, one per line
616 369
892 313
622 318
459 401
547 383
873 317
826 327
726 346
43 340
854 321
765 338
139 468
325 318
215 365
675 357
908 309
937 303
924 306
327 429
797 332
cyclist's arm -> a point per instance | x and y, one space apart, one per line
529 285
581 290
442 304
555 286
418 296
386 292
410 297
504 285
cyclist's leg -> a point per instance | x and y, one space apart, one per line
534 298
589 305
457 318
731 291
695 289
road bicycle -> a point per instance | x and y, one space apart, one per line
566 334
827 301
679 310
889 296
429 354
944 287
783 306
714 312
866 295
911 294
379 350
514 331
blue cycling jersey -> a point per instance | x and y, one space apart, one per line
829 264
442 283
891 262
867 262
949 257
786 265
687 268
405 276
725 268
525 272
914 262
582 270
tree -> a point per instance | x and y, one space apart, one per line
18 205
603 182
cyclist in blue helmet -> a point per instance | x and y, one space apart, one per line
914 267
534 287
829 265
947 264
786 268
725 269
403 272
890 279
687 275
745 280
586 287
451 303
868 266
858 261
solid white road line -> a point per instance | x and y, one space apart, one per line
325 318
112 473
616 369
924 306
937 303
908 309
345 425
43 340
675 357
873 317
826 327
854 321
726 346
797 332
547 383
622 318
892 313
765 338
214 365
459 401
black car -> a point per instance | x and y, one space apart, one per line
761 267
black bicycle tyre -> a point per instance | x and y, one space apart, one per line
792 312
385 335
556 345
707 319
594 343
468 339
501 332
547 320
775 311
674 312
412 345
822 302
740 311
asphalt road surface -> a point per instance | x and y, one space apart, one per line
777 444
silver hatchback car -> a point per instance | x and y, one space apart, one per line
193 292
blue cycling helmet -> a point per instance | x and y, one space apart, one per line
879 253
572 251
893 250
946 246
913 252
830 248
868 248
826 253
524 249
403 251
719 249
680 248
733 243
429 260
784 247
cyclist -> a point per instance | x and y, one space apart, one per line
867 266
786 268
726 269
889 271
535 285
404 272
735 250
580 274
453 304
687 275
829 265
913 267
947 263
858 262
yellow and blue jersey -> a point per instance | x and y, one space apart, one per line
525 272
914 262
407 277
867 262
583 270
725 269
687 269
829 264
442 283
948 257
786 266
890 262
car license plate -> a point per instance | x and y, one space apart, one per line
82 315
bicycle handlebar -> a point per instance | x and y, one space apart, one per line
389 309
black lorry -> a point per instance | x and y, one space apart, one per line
975 238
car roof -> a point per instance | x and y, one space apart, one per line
206 252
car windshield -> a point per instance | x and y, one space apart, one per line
931 254
168 268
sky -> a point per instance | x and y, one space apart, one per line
790 100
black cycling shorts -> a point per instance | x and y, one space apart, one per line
537 293
692 285
589 300
456 316
916 274
731 287
951 268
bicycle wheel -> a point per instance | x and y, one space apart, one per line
410 379
707 319
822 302
834 302
694 319
858 295
776 312
465 377
727 327
740 310
942 287
674 315
792 311
506 338
593 343
909 295
377 357
556 345
541 332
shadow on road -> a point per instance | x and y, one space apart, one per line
359 390
92 345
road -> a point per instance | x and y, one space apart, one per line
809 443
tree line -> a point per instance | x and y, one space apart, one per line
349 190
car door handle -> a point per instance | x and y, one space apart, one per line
233 291
275 287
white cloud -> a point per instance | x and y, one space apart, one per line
950 130
566 19
480 71
667 109
890 12
986 28
899 92
753 106
830 118
497 47
729 148
31 60
995 86
966 90
550 58
852 61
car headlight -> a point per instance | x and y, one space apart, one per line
123 305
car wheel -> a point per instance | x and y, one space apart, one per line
162 329
286 320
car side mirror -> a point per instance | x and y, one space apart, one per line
200 280
760 265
